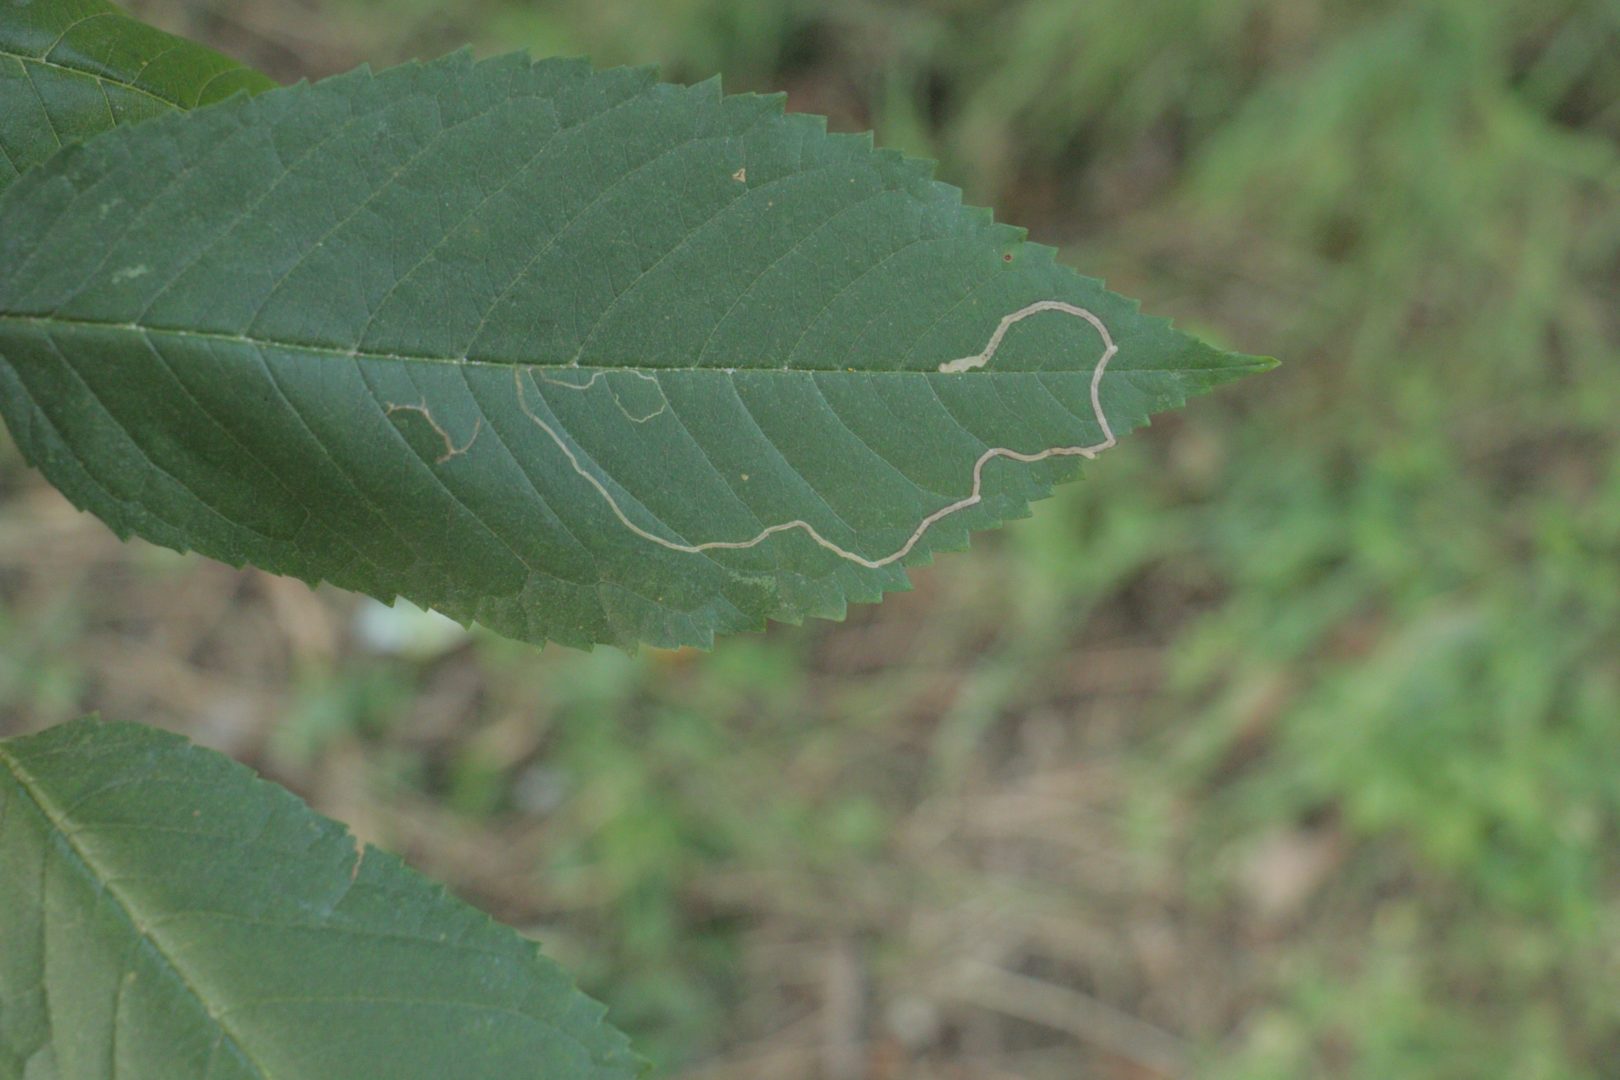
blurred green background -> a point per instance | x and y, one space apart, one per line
1286 743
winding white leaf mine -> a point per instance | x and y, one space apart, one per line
973 498
279 331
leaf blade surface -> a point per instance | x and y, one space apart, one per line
579 355
166 914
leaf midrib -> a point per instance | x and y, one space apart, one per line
56 819
48 321
418 358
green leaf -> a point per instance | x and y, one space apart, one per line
166 914
70 69
576 354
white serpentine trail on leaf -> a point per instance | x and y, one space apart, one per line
966 363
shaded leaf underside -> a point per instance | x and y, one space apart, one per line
170 916
579 355
70 69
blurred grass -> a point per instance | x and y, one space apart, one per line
1284 744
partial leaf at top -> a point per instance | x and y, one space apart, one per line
576 354
70 69
166 915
